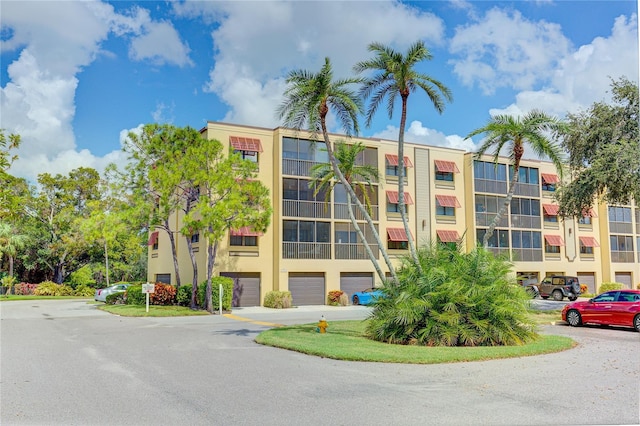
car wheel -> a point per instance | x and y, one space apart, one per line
573 318
356 300
636 322
557 295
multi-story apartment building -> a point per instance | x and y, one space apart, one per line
311 246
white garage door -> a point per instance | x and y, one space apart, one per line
246 288
624 278
350 282
588 279
307 288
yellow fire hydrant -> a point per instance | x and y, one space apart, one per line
322 325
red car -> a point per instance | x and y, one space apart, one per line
617 307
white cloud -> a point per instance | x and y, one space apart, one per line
254 45
507 50
56 40
416 133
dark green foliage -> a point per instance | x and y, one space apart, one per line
135 296
461 299
116 298
227 289
163 294
183 295
277 299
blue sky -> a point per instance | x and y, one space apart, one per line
76 77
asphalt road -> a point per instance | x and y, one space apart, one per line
66 363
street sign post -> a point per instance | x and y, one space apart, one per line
148 289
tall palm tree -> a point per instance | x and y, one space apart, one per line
307 101
506 132
396 74
10 243
359 177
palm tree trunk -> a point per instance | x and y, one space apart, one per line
503 209
174 252
194 281
401 203
352 194
376 265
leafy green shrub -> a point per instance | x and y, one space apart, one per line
118 298
604 287
82 276
135 296
183 296
84 291
163 294
278 299
227 292
333 298
460 299
49 288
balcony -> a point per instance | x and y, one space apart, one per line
297 167
342 212
297 250
355 251
315 209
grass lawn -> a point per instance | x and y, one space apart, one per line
345 340
154 311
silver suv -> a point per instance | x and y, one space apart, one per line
556 286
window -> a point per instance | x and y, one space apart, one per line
549 181
248 148
552 244
587 244
448 238
526 246
621 248
397 239
490 177
446 205
306 231
526 175
195 238
445 170
525 213
153 240
499 238
550 212
393 201
302 149
486 207
392 167
244 237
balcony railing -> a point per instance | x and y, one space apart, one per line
342 212
314 209
622 256
297 167
297 250
355 251
526 255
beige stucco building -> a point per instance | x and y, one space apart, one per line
311 247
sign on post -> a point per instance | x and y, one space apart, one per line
148 289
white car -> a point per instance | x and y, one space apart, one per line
101 294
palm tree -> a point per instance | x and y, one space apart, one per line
308 99
396 74
510 133
324 178
10 243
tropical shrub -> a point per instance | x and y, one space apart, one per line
119 298
333 298
583 288
135 296
8 281
163 294
277 299
49 288
82 276
84 291
24 289
604 287
460 299
227 292
183 295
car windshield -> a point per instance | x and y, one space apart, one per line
605 297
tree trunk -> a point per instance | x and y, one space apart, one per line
401 203
351 192
106 260
376 265
212 250
174 251
194 281
10 265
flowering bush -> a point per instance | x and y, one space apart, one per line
583 288
163 294
24 289
333 298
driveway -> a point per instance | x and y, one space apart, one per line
67 363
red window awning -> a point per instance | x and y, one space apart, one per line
550 177
447 201
554 240
551 209
245 231
397 234
153 238
245 144
393 160
446 166
448 236
393 197
589 242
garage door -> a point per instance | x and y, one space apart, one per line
246 288
307 289
624 278
355 281
588 279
